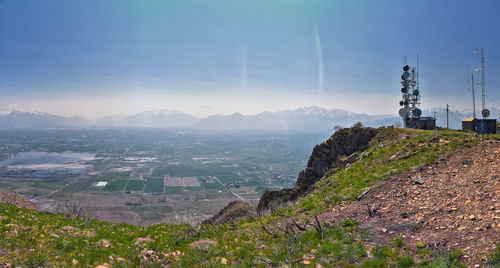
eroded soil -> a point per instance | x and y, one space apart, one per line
450 204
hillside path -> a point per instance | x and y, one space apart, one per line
450 204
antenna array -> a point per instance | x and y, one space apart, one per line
410 102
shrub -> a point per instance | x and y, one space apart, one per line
405 261
398 242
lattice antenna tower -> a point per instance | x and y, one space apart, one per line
410 111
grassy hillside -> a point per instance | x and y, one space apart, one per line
292 236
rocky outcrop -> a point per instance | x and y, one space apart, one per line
339 150
235 211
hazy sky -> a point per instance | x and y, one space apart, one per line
97 57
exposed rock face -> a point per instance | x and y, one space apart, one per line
235 211
336 152
273 200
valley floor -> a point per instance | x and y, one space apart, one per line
432 202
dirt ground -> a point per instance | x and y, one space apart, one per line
451 204
17 200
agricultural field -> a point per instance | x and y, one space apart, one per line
128 175
135 185
115 185
154 185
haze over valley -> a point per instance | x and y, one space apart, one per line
144 176
303 119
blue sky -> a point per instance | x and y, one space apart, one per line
95 57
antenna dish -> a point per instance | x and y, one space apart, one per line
403 112
410 96
485 113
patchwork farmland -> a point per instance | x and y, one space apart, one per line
153 176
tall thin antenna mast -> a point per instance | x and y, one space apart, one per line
473 98
482 79
447 119
418 86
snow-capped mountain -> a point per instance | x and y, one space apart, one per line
159 119
21 120
303 119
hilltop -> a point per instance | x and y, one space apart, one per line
401 198
451 203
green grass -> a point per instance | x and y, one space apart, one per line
494 256
31 238
347 184
46 239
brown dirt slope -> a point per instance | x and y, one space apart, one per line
451 204
17 200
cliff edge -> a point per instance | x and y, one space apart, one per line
342 148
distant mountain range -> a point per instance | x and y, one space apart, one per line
302 119
152 119
306 118
36 120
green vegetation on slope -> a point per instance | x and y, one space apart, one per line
393 151
291 236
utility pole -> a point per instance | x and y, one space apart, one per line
434 115
447 120
473 98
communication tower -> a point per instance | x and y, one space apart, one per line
484 125
410 111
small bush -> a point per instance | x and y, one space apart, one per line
420 245
382 252
398 242
455 254
405 261
349 222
